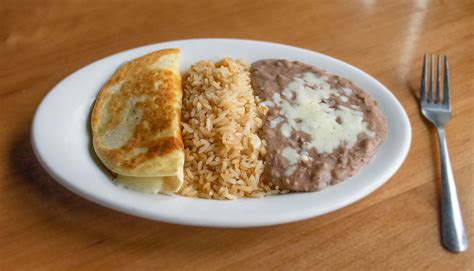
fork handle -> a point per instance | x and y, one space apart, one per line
453 233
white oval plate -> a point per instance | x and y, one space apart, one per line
62 143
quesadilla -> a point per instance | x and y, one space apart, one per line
136 123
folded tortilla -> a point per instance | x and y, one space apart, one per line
136 123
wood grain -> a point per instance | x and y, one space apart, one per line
45 227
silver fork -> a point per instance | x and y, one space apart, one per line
439 112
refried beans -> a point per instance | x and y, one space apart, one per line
319 128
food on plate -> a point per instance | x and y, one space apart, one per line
221 124
231 130
320 128
136 123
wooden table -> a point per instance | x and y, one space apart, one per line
44 226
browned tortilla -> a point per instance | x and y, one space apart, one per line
136 118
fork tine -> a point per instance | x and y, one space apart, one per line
430 90
446 82
423 80
437 100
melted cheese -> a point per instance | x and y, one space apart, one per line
309 111
293 158
162 184
274 122
291 155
